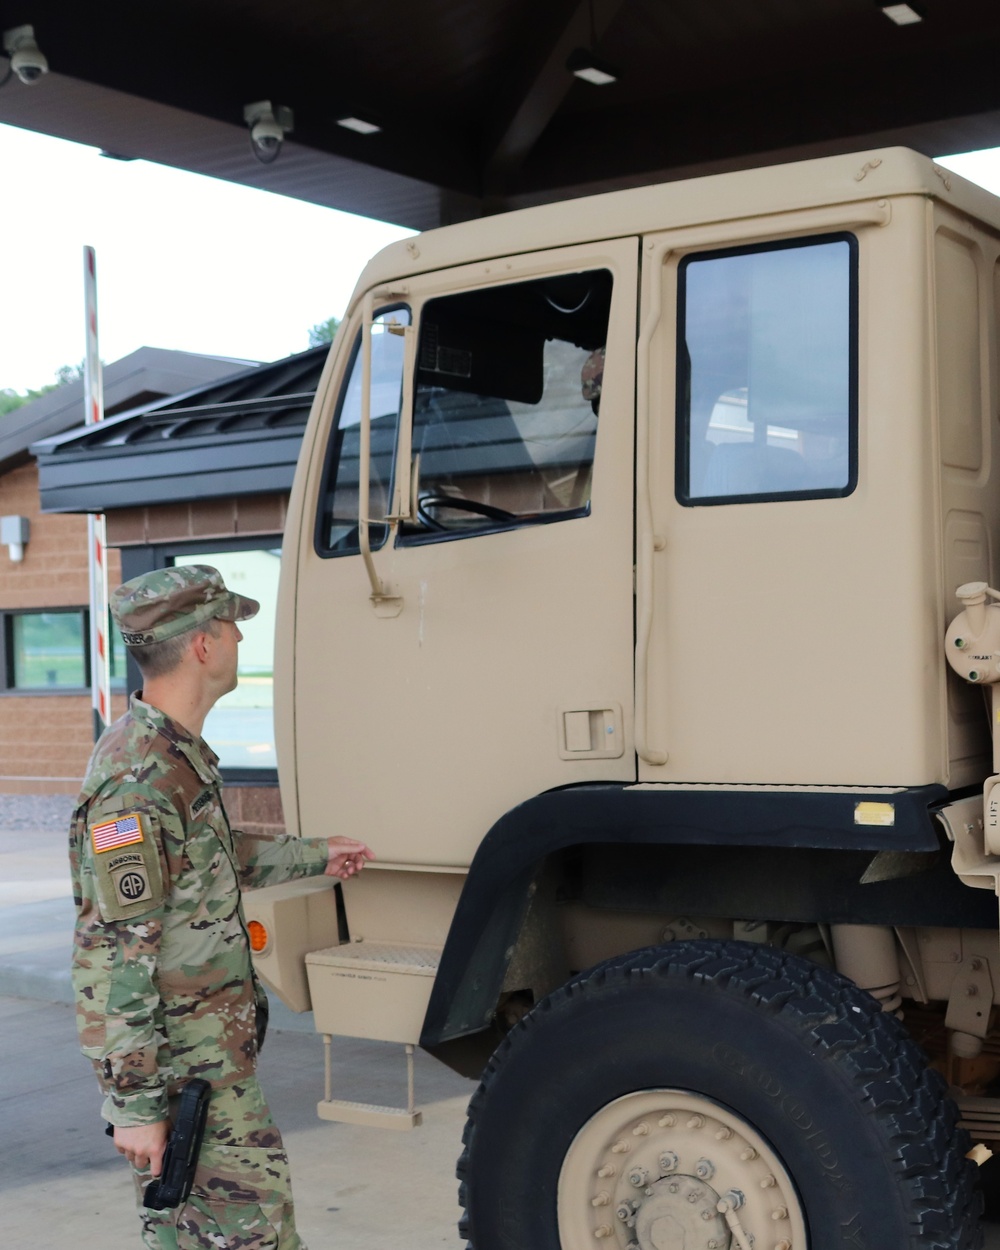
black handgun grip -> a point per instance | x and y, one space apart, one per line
180 1159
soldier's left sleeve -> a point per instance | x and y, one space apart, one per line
119 930
270 859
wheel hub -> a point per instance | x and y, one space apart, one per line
680 1213
671 1170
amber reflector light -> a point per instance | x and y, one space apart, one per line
258 935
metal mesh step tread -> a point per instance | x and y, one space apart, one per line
380 957
369 1114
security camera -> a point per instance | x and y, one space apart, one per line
268 127
26 60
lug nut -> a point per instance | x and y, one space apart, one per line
638 1177
696 1121
624 1212
606 1171
748 1154
705 1169
620 1148
779 1213
768 1182
735 1198
668 1161
724 1134
641 1130
667 1121
603 1230
603 1199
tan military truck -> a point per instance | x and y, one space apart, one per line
618 571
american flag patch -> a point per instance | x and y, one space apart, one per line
115 833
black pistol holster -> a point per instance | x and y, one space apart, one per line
172 1186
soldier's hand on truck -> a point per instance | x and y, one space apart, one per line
347 857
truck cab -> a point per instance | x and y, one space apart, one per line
616 579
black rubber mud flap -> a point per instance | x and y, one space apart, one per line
836 1089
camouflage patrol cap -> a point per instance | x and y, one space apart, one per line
166 602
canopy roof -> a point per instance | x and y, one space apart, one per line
240 436
477 109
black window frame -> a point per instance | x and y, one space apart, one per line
145 559
7 683
682 433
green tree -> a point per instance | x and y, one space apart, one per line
11 399
324 332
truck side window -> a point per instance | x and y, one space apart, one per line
767 372
337 532
506 402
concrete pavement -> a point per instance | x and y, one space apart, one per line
63 1186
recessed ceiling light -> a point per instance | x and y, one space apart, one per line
591 68
902 14
359 125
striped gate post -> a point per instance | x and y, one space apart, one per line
100 659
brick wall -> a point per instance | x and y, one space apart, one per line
257 809
45 739
238 517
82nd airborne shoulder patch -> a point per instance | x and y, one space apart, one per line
129 881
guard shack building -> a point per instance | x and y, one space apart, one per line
202 477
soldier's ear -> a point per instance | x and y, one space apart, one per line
201 645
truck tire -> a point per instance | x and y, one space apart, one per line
714 1095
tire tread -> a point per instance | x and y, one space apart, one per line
844 1025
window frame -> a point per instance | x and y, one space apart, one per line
682 431
146 559
7 652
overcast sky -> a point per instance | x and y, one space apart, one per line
183 261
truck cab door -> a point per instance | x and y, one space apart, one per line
759 555
486 653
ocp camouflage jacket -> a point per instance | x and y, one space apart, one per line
164 985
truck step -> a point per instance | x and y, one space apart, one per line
368 1114
375 990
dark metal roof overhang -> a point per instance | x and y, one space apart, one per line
239 437
477 109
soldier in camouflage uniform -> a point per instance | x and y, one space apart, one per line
164 984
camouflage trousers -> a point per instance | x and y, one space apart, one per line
242 1193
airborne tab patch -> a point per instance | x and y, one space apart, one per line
112 834
128 877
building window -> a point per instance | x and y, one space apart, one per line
240 728
46 650
116 658
767 372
